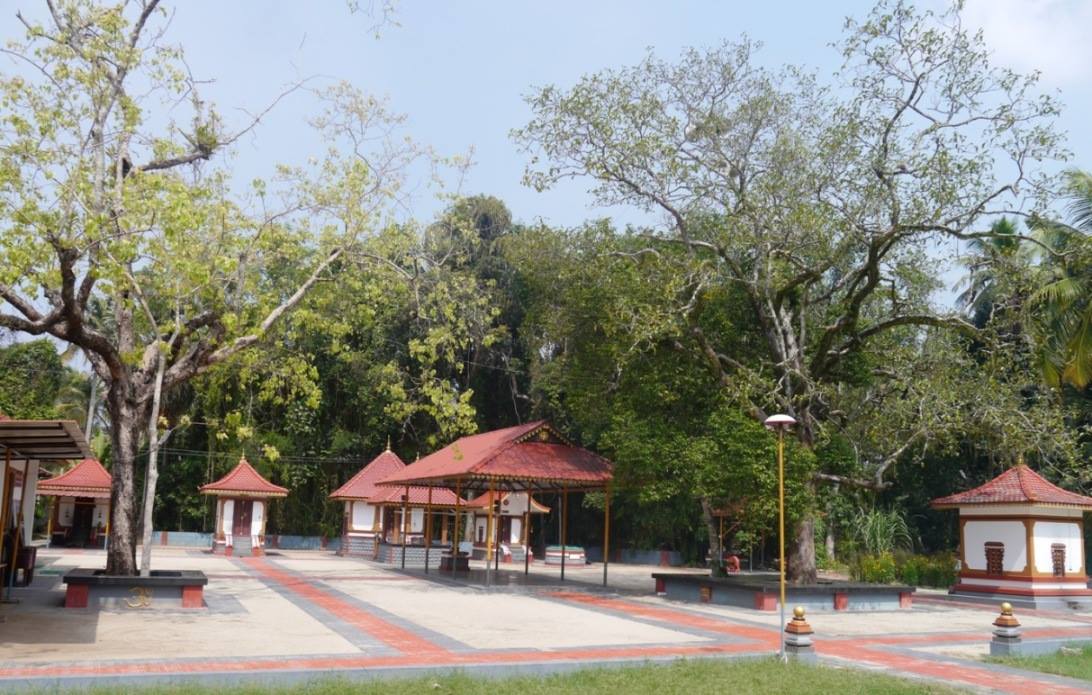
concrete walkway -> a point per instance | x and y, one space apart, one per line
300 615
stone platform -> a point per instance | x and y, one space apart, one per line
762 593
91 588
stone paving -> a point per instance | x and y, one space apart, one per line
299 615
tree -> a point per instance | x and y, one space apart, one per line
1065 295
32 377
820 205
107 202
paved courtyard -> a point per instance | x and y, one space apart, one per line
309 614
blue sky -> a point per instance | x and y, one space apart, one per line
459 70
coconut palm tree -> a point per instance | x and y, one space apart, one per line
1062 305
989 256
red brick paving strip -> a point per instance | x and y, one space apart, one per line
393 635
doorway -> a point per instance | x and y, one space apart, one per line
240 523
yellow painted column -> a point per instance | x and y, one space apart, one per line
606 534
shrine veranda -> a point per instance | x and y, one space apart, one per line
300 615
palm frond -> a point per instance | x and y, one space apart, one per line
1079 192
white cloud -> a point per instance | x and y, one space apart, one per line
1046 35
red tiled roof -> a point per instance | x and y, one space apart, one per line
362 485
245 481
1017 485
86 479
531 456
482 501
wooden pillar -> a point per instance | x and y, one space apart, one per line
489 534
527 536
49 524
606 533
564 527
405 524
455 537
443 529
428 527
4 495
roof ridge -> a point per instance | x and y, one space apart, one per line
511 442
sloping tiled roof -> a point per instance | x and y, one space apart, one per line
1017 485
482 501
86 479
362 485
244 481
526 457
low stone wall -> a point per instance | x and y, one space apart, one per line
415 555
662 558
194 539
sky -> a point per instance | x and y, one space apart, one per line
460 70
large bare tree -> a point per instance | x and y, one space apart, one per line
824 204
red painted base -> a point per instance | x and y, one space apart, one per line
76 596
765 602
841 601
906 599
193 597
229 551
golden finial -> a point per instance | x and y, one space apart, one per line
1006 608
798 612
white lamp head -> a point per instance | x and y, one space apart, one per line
775 422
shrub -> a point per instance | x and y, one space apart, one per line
877 569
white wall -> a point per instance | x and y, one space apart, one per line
1011 533
1049 532
226 518
30 494
66 507
363 516
98 517
516 536
257 517
417 520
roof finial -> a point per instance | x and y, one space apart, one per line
388 442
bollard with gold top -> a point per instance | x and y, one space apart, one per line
798 632
1006 633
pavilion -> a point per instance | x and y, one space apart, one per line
27 444
530 458
79 510
241 499
380 522
1021 538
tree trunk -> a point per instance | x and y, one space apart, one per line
801 558
125 428
830 541
716 552
153 470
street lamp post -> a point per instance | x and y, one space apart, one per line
780 423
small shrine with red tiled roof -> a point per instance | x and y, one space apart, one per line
79 513
242 497
1021 538
512 512
380 522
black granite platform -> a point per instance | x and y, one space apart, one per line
762 592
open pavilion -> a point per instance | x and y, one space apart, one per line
530 458
26 445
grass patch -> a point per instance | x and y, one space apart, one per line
1075 662
682 677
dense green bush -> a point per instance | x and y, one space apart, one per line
914 570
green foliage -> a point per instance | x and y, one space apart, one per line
31 380
878 569
882 531
937 571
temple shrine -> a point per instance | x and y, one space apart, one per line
392 524
511 538
1021 538
242 497
79 510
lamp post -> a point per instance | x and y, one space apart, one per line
780 423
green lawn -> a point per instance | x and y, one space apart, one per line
1076 664
685 677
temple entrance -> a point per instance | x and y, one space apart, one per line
240 523
82 514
